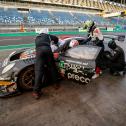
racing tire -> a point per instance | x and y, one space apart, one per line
26 78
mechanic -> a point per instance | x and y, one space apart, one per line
95 35
116 59
44 57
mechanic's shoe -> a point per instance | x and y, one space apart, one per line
95 76
121 73
100 72
37 95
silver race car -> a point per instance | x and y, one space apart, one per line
78 64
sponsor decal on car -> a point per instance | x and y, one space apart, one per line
75 68
77 62
78 78
61 64
74 71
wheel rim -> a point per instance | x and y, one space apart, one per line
28 78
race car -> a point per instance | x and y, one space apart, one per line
17 70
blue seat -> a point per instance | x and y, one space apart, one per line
81 17
44 17
40 17
64 17
10 16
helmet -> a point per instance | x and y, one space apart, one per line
73 43
88 24
112 44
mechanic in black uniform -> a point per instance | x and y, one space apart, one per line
44 56
116 58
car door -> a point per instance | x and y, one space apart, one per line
78 63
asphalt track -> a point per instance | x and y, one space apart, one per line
4 41
17 40
100 103
14 42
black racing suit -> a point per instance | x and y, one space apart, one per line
44 57
116 60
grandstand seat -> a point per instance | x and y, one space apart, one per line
81 17
98 19
40 17
64 18
10 16
118 20
44 17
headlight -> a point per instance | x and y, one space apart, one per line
5 62
8 67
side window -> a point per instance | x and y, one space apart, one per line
83 52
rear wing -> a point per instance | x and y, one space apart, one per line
120 38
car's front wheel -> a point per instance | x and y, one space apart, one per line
26 78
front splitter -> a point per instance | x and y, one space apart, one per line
5 83
9 94
8 89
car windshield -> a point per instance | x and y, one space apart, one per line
83 52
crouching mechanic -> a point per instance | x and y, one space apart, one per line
116 59
44 56
95 35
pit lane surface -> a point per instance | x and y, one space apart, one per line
4 41
100 103
13 40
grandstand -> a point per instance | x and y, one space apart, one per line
12 16
105 5
67 12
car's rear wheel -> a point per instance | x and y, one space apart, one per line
26 78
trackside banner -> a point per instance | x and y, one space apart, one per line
41 30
